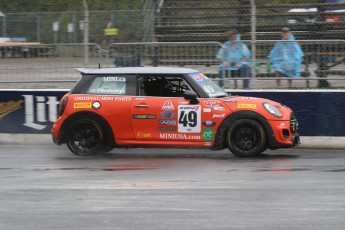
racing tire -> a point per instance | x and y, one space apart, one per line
85 137
246 138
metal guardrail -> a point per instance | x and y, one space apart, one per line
35 50
322 57
168 53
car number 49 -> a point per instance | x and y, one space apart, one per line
189 118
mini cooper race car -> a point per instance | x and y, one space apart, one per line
167 107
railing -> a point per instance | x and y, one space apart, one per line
57 62
168 53
35 50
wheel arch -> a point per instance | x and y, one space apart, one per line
110 139
226 123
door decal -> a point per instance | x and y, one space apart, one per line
189 119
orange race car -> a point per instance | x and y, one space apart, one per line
167 107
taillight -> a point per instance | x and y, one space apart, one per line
62 105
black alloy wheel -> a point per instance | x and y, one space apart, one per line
246 138
85 137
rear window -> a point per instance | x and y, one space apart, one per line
114 85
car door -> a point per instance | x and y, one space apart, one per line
166 119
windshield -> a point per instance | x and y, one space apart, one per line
212 89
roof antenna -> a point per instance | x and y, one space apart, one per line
99 65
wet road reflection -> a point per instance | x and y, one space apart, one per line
171 189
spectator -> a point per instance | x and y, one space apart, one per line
234 58
286 57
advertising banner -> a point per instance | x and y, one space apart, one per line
34 111
28 111
319 113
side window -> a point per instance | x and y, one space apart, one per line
114 85
162 86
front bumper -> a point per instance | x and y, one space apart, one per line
285 133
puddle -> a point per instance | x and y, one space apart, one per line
128 169
335 170
283 170
101 169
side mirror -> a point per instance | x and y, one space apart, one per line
191 96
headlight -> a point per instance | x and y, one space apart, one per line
272 110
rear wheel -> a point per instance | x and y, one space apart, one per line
85 137
246 138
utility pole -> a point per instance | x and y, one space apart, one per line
253 38
86 34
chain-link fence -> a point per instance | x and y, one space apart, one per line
41 44
67 27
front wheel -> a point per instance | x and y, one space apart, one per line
85 137
246 138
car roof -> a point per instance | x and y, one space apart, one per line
137 70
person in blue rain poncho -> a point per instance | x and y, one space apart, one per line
234 58
286 58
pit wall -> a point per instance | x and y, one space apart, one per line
319 113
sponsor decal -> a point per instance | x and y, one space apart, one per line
249 98
246 106
140 98
230 101
207 110
180 102
211 103
82 105
178 136
9 107
189 107
96 105
167 122
209 123
218 115
167 114
144 116
143 135
189 119
208 89
197 78
168 105
116 98
219 108
108 91
105 98
166 129
216 94
207 134
87 98
207 143
114 79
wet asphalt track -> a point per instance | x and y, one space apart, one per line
49 188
